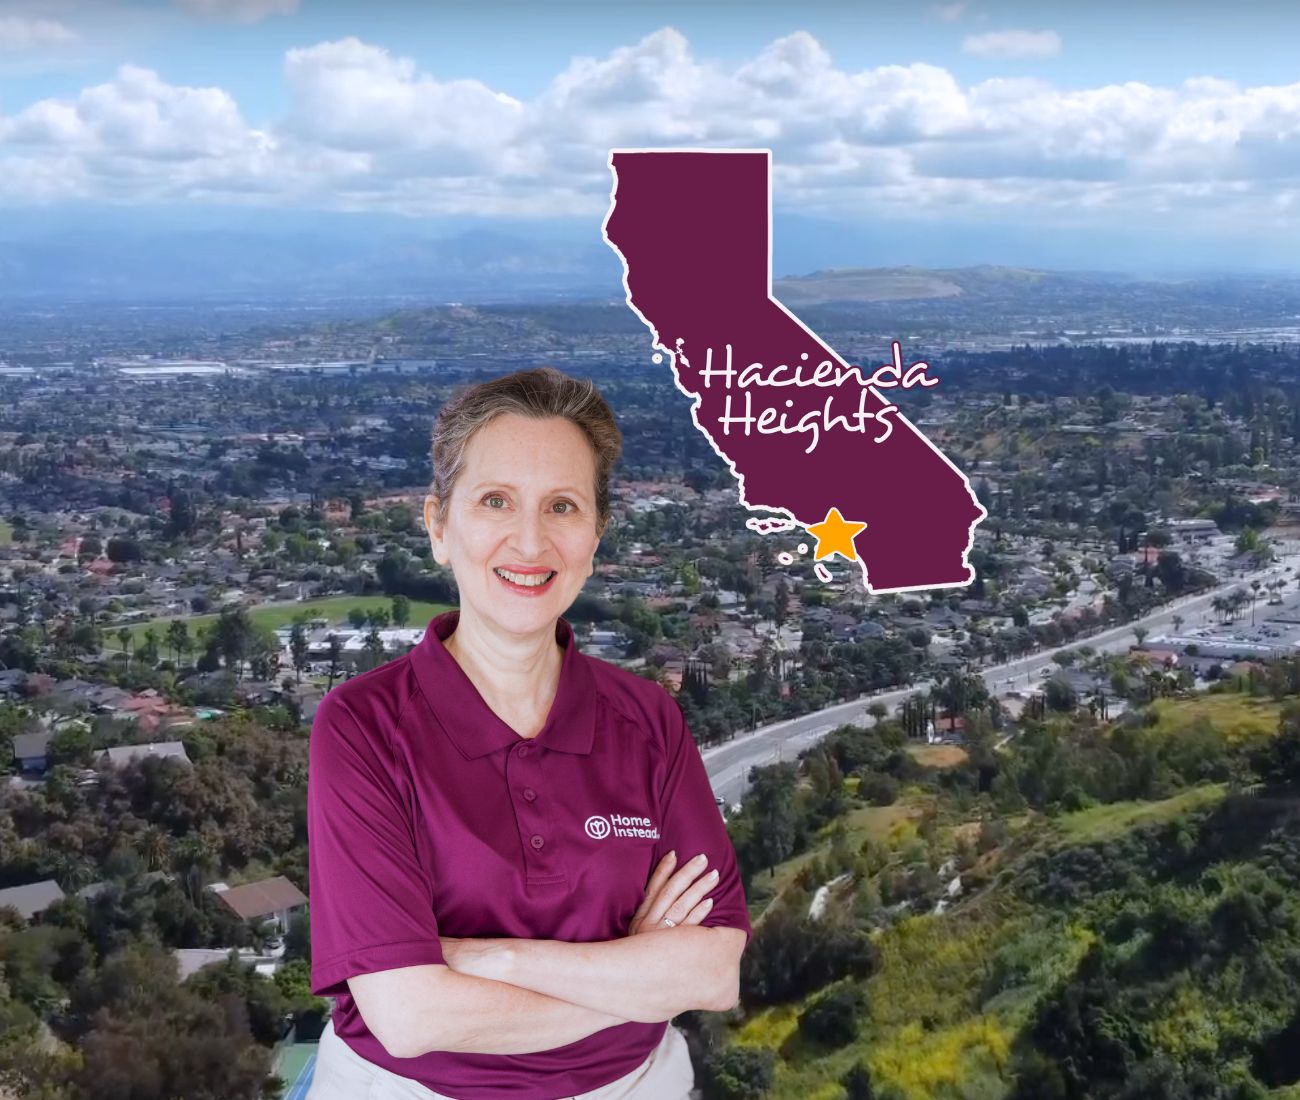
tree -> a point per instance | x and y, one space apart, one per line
232 637
832 1019
1278 761
335 652
791 955
148 652
123 550
178 638
1172 572
143 1035
740 1073
857 1082
770 802
298 647
265 1004
373 647
1059 695
183 517
781 602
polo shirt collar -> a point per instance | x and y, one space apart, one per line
473 726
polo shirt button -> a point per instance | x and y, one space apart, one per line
537 841
529 793
523 751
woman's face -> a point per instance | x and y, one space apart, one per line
524 502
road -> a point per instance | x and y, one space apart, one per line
728 764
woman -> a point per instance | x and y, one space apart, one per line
495 819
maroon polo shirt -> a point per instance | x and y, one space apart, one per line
426 813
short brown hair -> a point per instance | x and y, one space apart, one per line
539 393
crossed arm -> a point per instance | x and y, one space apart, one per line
510 996
647 978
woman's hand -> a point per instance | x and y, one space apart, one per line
674 896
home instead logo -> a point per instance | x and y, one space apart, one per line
598 827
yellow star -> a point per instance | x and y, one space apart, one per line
835 535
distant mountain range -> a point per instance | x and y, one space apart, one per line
370 258
209 254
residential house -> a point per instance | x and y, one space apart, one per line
605 644
30 750
121 755
33 898
306 697
190 960
272 899
151 712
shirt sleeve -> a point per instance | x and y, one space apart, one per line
691 823
371 901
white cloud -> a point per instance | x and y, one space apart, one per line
135 138
1013 44
135 116
240 11
18 32
352 96
950 13
366 128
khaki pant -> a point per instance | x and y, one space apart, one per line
341 1073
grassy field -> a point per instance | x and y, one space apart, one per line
938 756
1103 822
333 608
1237 717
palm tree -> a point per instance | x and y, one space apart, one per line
178 638
149 651
72 871
196 856
155 847
335 652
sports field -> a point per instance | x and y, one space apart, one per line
295 1066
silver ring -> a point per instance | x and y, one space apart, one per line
670 922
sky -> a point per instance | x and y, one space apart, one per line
1092 135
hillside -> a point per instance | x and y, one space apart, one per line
1043 942
887 284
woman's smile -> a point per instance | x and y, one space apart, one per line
524 585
